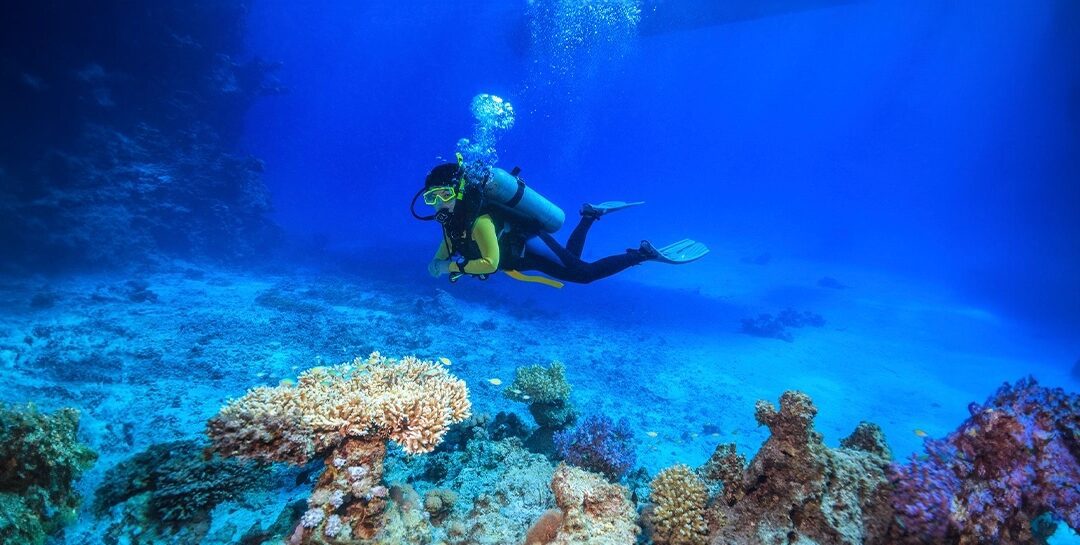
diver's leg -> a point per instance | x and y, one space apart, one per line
575 270
564 255
576 243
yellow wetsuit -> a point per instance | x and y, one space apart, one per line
483 233
487 240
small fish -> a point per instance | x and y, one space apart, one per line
525 397
515 391
260 375
920 433
287 382
444 361
651 433
495 381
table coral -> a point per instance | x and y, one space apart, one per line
344 414
1013 460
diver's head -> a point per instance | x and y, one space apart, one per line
443 187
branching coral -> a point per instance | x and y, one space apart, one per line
344 413
1014 460
678 517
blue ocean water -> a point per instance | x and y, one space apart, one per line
203 199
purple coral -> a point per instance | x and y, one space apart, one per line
1015 459
598 444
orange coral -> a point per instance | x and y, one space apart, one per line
345 413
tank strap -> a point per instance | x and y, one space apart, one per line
517 195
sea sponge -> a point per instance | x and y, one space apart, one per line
679 515
345 414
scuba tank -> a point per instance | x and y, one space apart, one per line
507 192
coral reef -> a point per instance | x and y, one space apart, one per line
344 414
678 515
594 511
776 327
1016 458
798 490
40 460
170 489
600 445
547 393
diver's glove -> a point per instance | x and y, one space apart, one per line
438 267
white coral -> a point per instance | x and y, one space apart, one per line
312 517
333 526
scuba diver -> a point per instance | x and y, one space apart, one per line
492 224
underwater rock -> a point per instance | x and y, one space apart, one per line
40 460
776 327
798 490
344 415
1015 459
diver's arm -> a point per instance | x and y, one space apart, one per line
438 264
484 235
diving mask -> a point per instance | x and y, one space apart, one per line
433 196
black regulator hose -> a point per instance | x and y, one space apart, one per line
412 208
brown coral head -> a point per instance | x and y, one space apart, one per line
796 414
